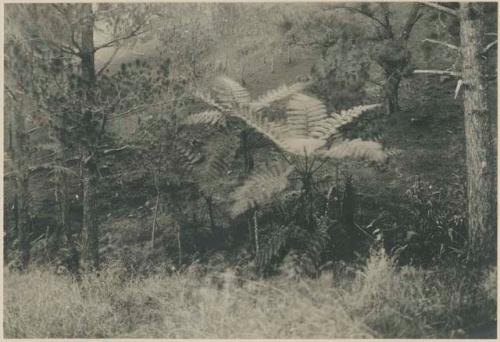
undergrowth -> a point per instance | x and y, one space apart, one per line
378 299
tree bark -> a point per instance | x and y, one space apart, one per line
391 93
90 229
23 219
19 154
480 149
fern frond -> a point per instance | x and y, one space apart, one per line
260 188
188 158
53 169
209 117
219 162
301 145
208 100
348 115
230 92
357 148
59 169
273 246
305 115
277 94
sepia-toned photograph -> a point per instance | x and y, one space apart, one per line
243 170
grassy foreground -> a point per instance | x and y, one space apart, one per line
376 300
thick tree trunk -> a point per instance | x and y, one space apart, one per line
480 149
19 155
90 229
23 219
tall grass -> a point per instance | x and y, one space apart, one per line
377 300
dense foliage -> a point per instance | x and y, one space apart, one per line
276 141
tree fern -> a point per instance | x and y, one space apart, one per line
260 188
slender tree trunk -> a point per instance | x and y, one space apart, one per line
155 218
480 149
179 244
391 92
256 231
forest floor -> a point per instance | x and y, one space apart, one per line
375 300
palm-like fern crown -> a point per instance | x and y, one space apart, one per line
307 125
306 129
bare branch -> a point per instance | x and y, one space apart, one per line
134 33
114 150
366 14
440 8
489 46
458 87
438 72
412 19
451 46
108 61
71 25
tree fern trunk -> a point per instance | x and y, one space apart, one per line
217 231
480 149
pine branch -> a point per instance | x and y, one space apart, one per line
438 72
108 62
366 14
441 8
451 46
489 46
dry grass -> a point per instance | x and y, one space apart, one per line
375 301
